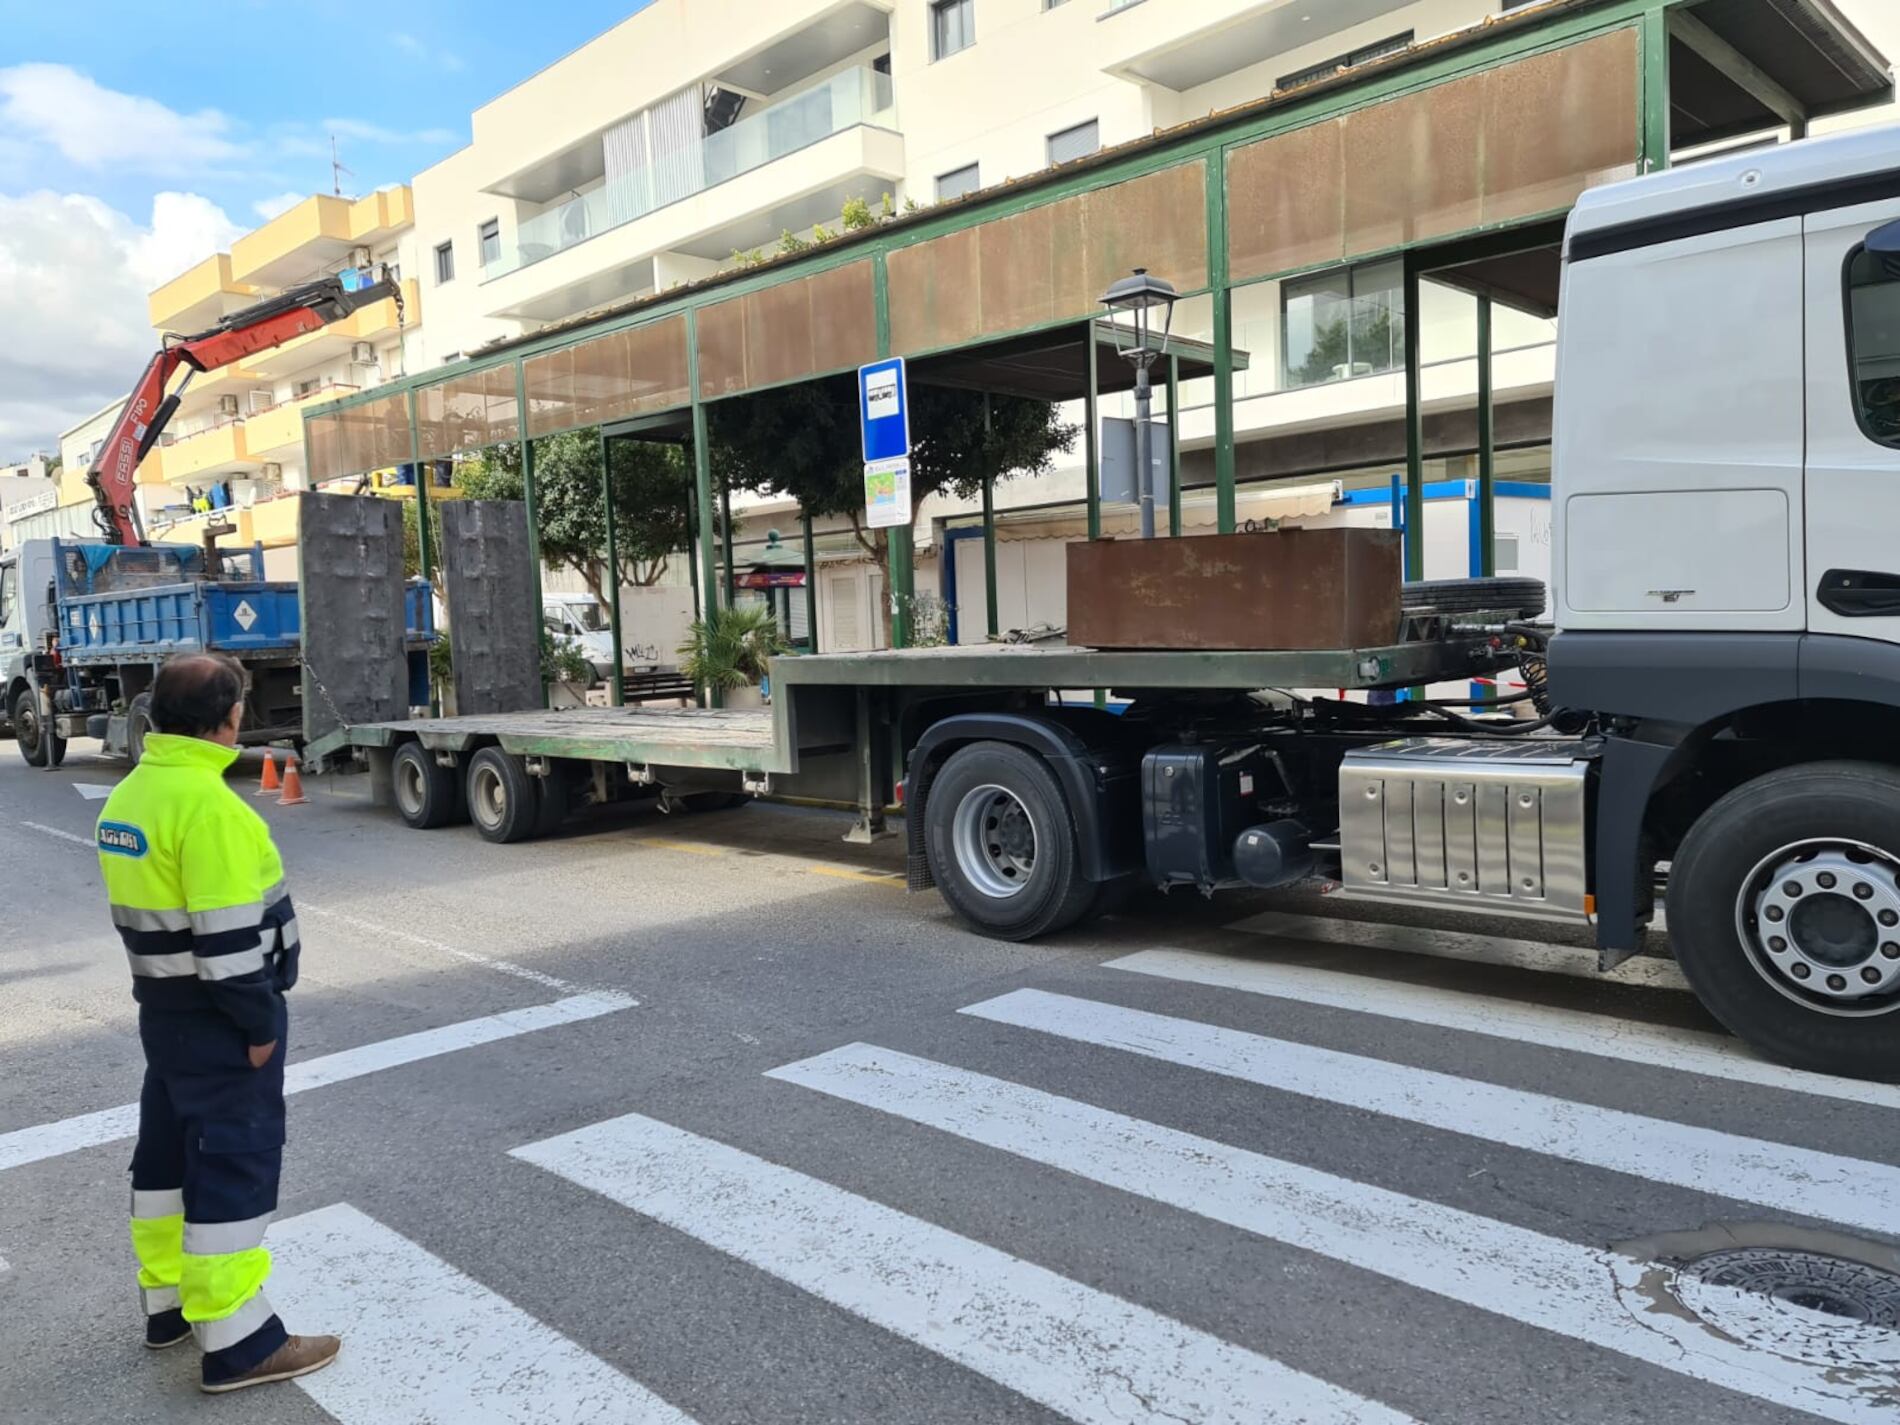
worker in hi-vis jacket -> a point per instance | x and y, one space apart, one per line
198 896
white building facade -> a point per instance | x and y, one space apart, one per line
699 131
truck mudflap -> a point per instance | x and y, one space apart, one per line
1488 826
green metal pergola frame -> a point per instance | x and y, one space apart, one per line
1504 40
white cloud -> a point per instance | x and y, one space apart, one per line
74 273
100 128
366 132
442 59
268 208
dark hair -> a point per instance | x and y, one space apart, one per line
193 694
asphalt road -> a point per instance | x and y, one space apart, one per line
707 1119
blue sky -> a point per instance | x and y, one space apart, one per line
136 139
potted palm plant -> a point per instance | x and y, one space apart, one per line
568 672
731 652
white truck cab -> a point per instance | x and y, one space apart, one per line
580 619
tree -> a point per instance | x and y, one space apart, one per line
803 441
650 492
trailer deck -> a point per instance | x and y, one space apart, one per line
809 714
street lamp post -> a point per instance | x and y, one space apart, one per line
1142 307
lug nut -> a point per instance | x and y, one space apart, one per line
1870 974
1799 970
1791 888
1836 983
1890 950
1774 913
1862 891
1777 944
1826 880
1889 917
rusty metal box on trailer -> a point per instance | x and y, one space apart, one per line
1297 588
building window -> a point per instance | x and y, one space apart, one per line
1077 142
882 64
1344 323
1365 54
1873 342
952 27
444 263
308 387
957 182
488 242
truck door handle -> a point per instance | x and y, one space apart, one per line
1859 593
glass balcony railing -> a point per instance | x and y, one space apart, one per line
847 100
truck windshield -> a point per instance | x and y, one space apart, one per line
591 617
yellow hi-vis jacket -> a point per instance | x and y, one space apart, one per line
197 888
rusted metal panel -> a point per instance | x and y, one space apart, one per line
350 589
1291 589
493 628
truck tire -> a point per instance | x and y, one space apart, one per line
138 722
428 795
1511 598
1784 913
1001 840
39 744
503 801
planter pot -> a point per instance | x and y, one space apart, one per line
746 697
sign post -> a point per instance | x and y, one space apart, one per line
884 418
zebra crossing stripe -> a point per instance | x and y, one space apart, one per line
423 1341
1787 1179
106 1125
1624 1040
1081 1352
1493 1266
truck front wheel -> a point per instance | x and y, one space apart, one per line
39 744
1001 840
1784 913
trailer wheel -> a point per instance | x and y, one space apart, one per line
138 722
428 795
1784 912
502 799
39 744
1002 845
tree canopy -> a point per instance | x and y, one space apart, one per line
651 483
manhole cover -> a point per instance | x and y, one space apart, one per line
1803 1305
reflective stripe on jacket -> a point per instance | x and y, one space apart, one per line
197 888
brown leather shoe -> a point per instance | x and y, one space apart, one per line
298 1356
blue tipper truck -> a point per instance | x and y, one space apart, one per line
84 626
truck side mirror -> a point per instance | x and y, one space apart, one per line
1883 245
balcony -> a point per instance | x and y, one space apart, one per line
1182 46
272 434
848 100
317 233
199 296
222 450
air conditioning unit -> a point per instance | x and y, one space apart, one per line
261 401
272 471
363 354
359 257
227 405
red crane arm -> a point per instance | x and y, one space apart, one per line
149 408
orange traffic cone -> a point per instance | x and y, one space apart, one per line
270 783
293 784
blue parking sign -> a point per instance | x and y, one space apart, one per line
884 410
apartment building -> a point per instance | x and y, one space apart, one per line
236 442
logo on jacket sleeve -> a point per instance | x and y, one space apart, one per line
118 839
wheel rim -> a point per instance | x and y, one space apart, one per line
1820 921
26 727
409 787
994 840
488 798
